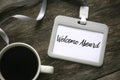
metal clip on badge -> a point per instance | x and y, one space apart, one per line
84 12
29 19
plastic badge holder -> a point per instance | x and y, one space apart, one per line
73 41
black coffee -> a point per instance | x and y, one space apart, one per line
18 63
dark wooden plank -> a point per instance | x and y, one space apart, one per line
114 76
104 11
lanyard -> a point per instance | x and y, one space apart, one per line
24 17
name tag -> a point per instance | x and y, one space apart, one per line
79 43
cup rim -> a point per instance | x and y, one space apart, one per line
24 45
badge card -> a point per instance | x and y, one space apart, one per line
78 43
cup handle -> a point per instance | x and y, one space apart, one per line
47 69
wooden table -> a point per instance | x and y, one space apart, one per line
103 11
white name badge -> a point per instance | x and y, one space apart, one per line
79 43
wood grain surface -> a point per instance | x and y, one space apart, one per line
103 11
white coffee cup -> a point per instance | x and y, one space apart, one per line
40 68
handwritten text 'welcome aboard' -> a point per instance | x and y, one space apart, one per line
83 43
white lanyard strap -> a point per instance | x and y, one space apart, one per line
42 11
4 36
24 18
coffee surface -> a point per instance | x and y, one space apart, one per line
18 63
